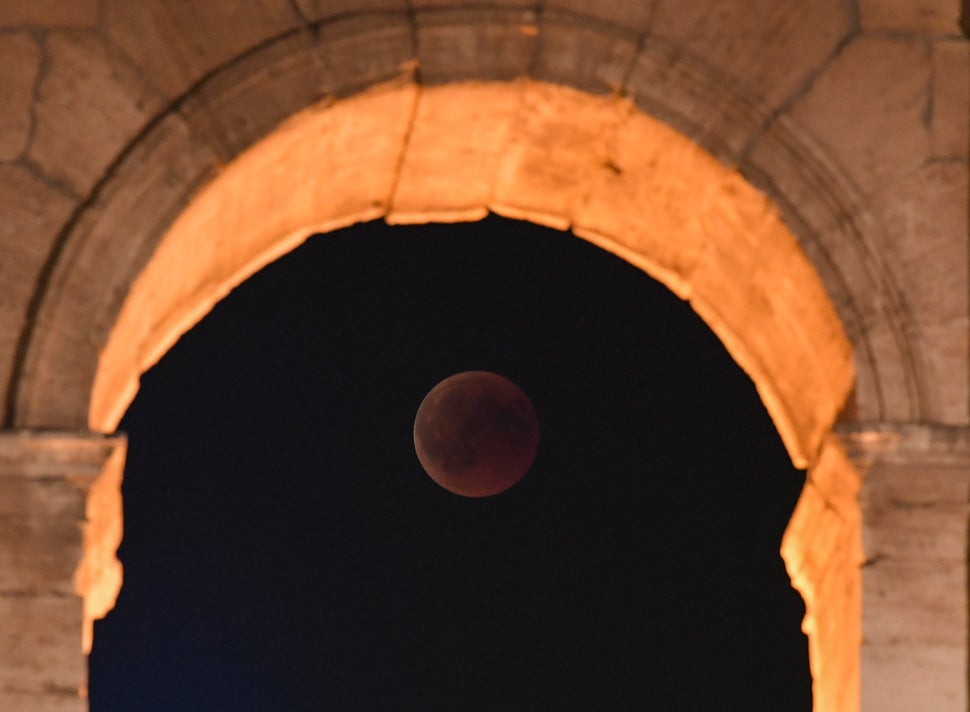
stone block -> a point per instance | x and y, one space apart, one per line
147 191
175 44
49 13
924 17
645 184
914 601
556 143
478 43
904 678
40 534
868 108
760 47
583 56
40 645
19 64
453 152
90 104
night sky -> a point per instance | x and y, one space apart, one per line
284 550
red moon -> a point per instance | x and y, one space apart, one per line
476 433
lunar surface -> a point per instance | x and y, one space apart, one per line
476 433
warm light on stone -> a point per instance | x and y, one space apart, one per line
154 154
559 157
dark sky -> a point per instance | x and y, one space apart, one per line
284 550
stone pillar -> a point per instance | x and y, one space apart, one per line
50 562
914 495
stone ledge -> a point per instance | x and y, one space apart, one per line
906 443
45 454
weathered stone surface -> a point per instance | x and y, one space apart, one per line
40 524
475 43
556 143
239 105
177 43
915 677
33 213
359 52
19 64
758 51
949 126
44 479
919 216
90 105
40 646
143 197
60 527
914 502
453 152
631 16
49 13
582 55
934 17
875 122
648 184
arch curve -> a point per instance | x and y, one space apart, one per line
241 100
527 150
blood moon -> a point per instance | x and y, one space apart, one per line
476 433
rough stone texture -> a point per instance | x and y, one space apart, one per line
934 17
851 117
33 213
143 196
90 103
848 104
19 64
875 224
49 13
359 52
472 121
585 56
920 215
175 44
915 507
481 43
721 70
44 479
822 549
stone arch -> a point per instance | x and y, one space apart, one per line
187 110
556 156
679 65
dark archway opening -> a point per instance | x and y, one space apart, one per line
284 549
